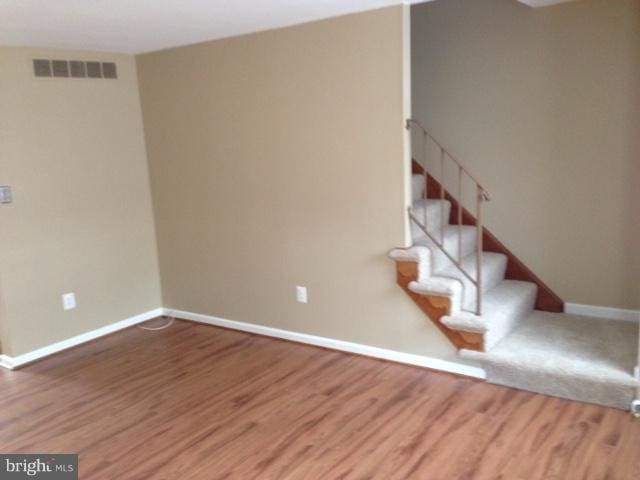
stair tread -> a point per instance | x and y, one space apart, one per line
503 307
468 234
489 259
501 299
493 268
435 209
431 202
450 234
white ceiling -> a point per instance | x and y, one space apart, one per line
135 26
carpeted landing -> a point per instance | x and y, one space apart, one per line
568 356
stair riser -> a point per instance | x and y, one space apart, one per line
492 274
437 216
520 311
417 187
433 227
435 308
436 210
440 261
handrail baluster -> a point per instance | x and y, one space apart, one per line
481 195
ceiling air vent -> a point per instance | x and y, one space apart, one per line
74 69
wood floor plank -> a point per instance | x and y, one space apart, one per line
199 402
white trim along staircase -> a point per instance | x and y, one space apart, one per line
570 356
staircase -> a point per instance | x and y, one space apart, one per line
496 311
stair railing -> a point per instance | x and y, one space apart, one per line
481 195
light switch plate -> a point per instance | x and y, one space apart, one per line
5 194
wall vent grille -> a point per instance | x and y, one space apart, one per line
74 69
42 68
78 69
60 68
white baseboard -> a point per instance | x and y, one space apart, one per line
602 312
366 350
15 362
6 362
341 345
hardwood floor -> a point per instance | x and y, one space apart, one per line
199 402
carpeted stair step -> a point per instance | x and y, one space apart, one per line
494 266
569 356
417 187
439 260
437 215
503 308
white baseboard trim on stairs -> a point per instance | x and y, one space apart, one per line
602 312
21 360
333 344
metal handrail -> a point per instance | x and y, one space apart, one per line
482 195
413 121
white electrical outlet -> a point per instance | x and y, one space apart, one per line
69 301
301 294
5 194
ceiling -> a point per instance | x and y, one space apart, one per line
136 26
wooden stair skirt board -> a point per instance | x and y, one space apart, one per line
546 300
435 308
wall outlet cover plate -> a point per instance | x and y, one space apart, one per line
5 194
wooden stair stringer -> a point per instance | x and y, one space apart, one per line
436 307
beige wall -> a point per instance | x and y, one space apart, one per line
276 160
81 221
544 105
